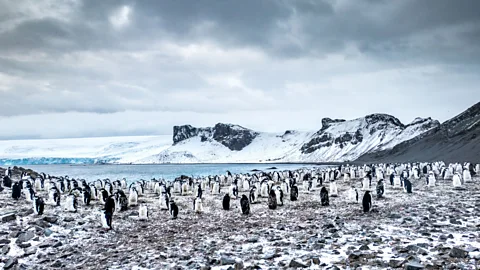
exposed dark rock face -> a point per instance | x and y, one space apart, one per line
454 140
232 136
382 124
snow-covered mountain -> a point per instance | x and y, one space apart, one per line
337 140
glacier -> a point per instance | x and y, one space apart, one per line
338 140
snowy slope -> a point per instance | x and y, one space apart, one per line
337 140
82 150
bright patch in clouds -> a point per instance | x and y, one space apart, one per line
121 17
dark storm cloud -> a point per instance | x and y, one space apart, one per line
220 57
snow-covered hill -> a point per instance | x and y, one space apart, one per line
337 140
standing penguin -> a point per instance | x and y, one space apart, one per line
143 212
353 195
407 185
324 197
367 202
197 205
133 197
54 196
253 196
294 193
279 194
272 200
380 189
245 205
71 203
164 201
16 191
173 209
226 202
87 196
106 219
7 182
333 189
38 205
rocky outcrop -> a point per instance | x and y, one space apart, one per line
377 130
455 140
234 137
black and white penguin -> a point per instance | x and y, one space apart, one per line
380 189
106 219
367 202
294 193
234 191
71 203
143 212
198 191
226 202
7 182
38 205
407 185
110 204
104 194
29 194
54 196
16 191
245 205
324 197
87 196
121 201
279 194
253 196
197 205
272 200
133 197
173 209
352 195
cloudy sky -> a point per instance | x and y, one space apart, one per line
80 68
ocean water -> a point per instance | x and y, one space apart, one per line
147 172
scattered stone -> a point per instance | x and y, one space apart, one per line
24 245
458 253
68 219
10 263
316 260
30 251
364 247
226 261
5 249
48 232
7 217
4 241
24 237
50 219
42 224
238 265
414 266
296 264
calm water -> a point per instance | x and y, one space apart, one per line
166 171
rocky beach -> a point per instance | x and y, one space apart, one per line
433 228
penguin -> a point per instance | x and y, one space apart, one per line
397 182
380 189
16 191
333 189
264 189
392 179
38 205
245 205
324 197
7 182
352 195
133 197
121 201
106 219
367 202
54 196
366 184
164 201
173 209
234 191
143 212
272 200
467 176
293 193
407 185
197 205
104 195
431 181
29 194
86 196
253 196
199 191
226 202
71 203
279 196
457 181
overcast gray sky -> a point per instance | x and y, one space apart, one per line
79 68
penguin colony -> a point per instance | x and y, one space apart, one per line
277 188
